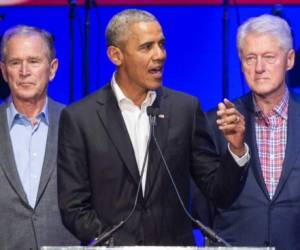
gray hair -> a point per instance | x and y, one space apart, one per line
118 26
28 31
266 24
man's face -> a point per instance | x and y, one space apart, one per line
143 56
26 67
264 64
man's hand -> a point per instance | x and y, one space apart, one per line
232 124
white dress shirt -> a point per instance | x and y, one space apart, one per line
137 124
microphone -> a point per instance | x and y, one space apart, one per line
106 237
208 232
152 112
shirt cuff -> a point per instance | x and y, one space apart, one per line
241 161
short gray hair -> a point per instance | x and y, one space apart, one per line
266 24
120 23
28 31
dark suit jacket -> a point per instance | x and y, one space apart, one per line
253 219
98 174
22 227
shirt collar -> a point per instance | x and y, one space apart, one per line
13 114
121 98
280 109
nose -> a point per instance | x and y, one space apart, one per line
260 65
24 70
159 53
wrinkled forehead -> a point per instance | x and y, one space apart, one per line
143 28
260 41
32 39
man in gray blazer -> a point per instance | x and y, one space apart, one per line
29 215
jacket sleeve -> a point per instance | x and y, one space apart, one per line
218 175
74 192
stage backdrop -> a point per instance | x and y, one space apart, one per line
194 42
147 2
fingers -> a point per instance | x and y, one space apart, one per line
228 103
228 115
230 120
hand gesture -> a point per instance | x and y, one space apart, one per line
232 124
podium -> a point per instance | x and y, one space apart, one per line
154 248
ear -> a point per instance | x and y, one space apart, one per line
290 59
115 55
3 71
53 68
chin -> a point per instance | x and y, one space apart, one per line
154 85
26 97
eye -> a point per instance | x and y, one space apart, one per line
251 59
14 62
34 61
146 46
162 44
269 58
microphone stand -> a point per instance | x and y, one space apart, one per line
72 4
86 53
225 49
209 233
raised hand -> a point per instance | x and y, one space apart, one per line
232 124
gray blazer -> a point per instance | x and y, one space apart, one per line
22 227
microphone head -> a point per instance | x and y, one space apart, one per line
152 111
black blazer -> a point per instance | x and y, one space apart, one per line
253 219
98 173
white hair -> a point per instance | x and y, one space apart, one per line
266 24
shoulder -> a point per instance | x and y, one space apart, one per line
175 94
89 101
85 110
3 107
294 96
55 104
178 99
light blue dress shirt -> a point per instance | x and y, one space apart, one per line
29 144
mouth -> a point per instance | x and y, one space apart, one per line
156 72
25 83
259 79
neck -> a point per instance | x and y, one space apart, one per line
29 108
267 103
135 93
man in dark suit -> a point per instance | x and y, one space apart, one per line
104 165
267 212
28 144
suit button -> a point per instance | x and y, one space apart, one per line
267 243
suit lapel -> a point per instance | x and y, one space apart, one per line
49 163
247 109
161 133
113 122
7 160
293 139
